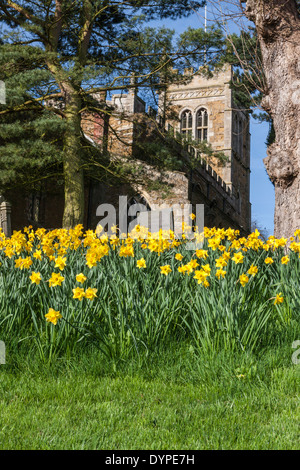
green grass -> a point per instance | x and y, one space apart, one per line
174 399
154 362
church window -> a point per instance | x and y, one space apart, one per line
202 125
186 127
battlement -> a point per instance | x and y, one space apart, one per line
203 165
129 103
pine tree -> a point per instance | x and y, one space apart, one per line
55 55
30 133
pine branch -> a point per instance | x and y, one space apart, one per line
27 106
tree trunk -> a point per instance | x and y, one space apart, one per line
73 172
278 27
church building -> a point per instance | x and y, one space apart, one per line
202 109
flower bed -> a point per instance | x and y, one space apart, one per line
63 289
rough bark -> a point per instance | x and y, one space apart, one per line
72 164
278 27
73 172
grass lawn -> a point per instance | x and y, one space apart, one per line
171 400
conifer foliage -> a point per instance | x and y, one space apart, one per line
54 56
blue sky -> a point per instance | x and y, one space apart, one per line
262 195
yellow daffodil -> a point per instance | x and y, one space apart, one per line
9 252
214 243
253 270
238 258
91 259
52 316
126 250
244 279
295 247
35 278
38 255
90 293
56 280
269 260
81 278
187 269
220 272
19 263
202 254
193 263
297 233
141 263
221 263
78 293
278 299
23 263
206 268
226 256
179 257
230 234
285 260
200 276
60 263
165 269
182 269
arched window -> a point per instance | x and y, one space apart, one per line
186 126
202 125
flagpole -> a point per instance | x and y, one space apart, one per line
205 29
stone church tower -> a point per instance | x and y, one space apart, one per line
204 110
